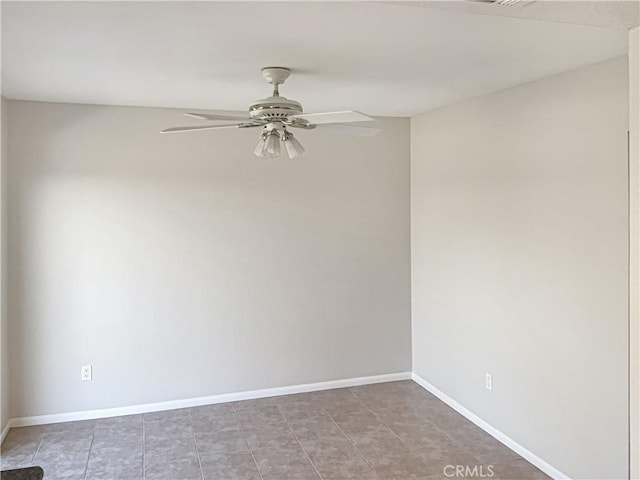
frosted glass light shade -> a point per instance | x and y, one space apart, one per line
293 146
272 145
258 150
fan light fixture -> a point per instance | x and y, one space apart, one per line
269 144
275 114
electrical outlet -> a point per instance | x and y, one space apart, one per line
488 381
85 373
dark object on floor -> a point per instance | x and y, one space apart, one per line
29 473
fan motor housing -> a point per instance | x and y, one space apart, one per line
274 108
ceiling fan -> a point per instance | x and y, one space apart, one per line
275 114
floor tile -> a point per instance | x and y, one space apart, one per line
112 436
35 431
162 468
172 423
116 460
297 411
335 396
341 400
221 442
214 418
300 405
115 474
226 466
422 435
389 431
397 465
15 461
19 447
64 454
481 445
170 447
390 394
168 416
275 436
376 436
219 424
168 429
82 426
207 412
119 425
309 398
54 475
289 463
517 470
55 442
126 446
315 428
324 444
127 430
438 454
253 404
260 416
379 442
398 416
446 418
341 464
391 459
357 422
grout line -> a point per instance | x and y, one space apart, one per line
244 436
406 445
350 441
437 428
299 442
33 459
372 411
442 430
355 395
354 445
456 442
86 467
195 443
391 428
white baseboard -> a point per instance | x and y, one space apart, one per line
494 432
5 430
272 392
196 402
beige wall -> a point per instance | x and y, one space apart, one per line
4 339
519 263
182 266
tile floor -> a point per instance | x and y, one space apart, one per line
393 430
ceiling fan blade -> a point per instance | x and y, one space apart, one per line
219 116
208 127
349 129
347 116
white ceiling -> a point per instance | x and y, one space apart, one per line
379 58
624 14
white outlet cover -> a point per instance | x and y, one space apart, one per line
85 373
488 381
